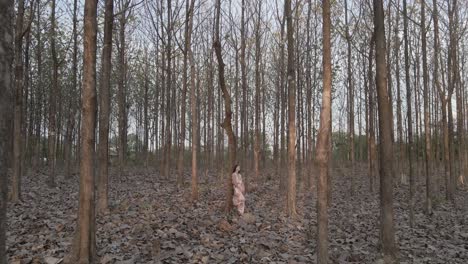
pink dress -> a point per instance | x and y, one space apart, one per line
238 199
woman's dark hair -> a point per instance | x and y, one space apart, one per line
235 167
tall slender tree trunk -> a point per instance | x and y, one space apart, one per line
350 102
52 137
282 163
396 53
443 100
409 118
84 248
26 127
121 94
308 76
193 100
427 129
17 135
435 19
258 58
38 127
145 112
72 108
291 193
188 32
167 164
387 231
370 118
452 82
324 140
6 60
244 116
104 113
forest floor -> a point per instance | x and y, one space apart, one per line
151 221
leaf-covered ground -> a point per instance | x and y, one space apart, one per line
151 221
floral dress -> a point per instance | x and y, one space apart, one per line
238 199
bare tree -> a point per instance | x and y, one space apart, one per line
17 135
84 247
73 108
291 194
350 101
443 99
104 106
427 129
387 231
193 104
324 140
6 59
258 57
168 90
52 100
370 118
409 118
188 32
121 94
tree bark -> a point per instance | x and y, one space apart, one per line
427 129
72 107
282 164
350 102
104 113
452 74
370 119
409 118
84 251
188 36
167 164
193 99
121 96
38 128
387 231
258 58
324 140
52 138
396 53
291 193
17 135
145 111
244 115
6 60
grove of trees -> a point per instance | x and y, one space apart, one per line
309 94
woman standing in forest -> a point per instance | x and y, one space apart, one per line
239 190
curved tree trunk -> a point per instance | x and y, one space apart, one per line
227 125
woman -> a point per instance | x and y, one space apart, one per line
238 199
